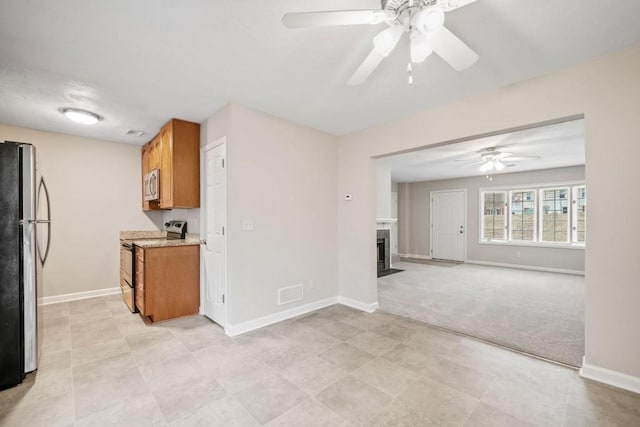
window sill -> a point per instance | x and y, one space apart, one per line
533 244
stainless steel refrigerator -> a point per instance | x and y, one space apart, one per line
25 230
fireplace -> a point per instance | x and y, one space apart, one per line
383 250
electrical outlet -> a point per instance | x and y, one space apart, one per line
312 285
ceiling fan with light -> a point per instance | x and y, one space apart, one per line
422 20
491 159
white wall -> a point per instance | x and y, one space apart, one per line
95 193
283 177
606 91
383 189
414 209
192 216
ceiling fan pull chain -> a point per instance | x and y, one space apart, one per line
409 71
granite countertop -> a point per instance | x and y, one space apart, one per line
157 239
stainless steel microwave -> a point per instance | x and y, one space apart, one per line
152 185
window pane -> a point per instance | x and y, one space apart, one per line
580 214
494 215
523 215
555 215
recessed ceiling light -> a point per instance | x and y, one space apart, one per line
135 132
81 116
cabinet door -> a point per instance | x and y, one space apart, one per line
145 170
166 167
140 295
186 164
155 153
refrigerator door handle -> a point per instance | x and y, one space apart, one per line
47 221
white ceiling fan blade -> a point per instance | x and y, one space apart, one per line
332 18
502 155
479 162
453 50
367 67
520 158
449 5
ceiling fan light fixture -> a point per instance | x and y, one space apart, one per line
385 41
487 166
81 116
429 20
498 165
420 47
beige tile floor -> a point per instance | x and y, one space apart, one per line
335 367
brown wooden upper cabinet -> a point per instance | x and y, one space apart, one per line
176 152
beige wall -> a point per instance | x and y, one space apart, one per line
414 220
284 178
95 193
606 91
383 193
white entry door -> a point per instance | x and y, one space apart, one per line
214 224
448 225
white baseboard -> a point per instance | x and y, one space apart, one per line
79 295
261 322
415 256
244 327
526 267
607 376
358 305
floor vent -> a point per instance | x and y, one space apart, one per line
290 294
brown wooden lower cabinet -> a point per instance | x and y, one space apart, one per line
168 281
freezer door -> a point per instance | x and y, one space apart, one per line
30 260
11 268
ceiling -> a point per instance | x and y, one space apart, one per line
139 63
558 145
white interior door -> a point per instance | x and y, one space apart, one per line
448 225
214 224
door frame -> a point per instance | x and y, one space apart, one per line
203 210
466 224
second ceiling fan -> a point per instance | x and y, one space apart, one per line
422 20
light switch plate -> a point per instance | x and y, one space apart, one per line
247 224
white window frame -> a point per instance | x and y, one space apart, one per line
541 191
574 214
535 215
506 206
571 244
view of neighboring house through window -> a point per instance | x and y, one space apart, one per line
494 220
542 215
523 215
555 214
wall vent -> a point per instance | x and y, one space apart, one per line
290 294
135 132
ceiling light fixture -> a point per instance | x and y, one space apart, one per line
81 116
492 165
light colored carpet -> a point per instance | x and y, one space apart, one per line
536 312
